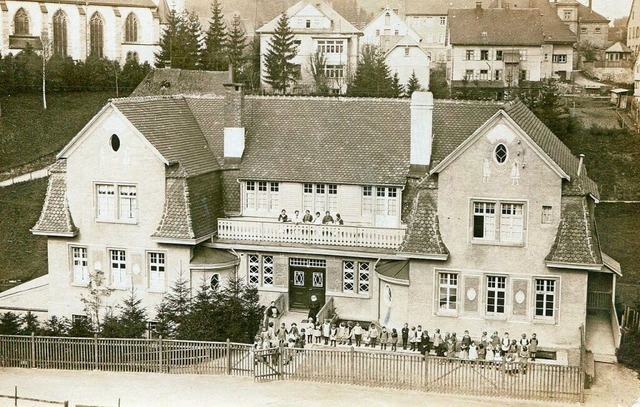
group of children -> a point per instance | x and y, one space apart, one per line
514 353
327 219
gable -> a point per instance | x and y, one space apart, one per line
309 11
501 130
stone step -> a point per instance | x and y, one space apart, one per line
605 358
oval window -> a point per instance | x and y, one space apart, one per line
501 153
115 142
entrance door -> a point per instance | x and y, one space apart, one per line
305 282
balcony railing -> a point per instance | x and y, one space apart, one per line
598 300
332 235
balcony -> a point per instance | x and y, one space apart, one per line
311 234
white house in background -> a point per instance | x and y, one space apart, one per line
405 57
317 29
400 44
119 30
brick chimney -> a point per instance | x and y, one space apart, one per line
478 5
233 122
421 132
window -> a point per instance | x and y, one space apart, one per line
545 298
387 19
524 75
133 56
497 75
320 197
443 20
262 196
334 71
500 153
429 21
367 199
448 291
80 320
523 54
118 267
547 215
308 24
583 30
484 54
469 55
567 14
396 33
597 30
559 58
468 74
499 55
126 209
377 33
156 270
260 270
60 33
441 38
496 294
355 277
214 282
80 263
330 46
297 71
484 74
406 51
506 227
131 28
96 35
21 23
386 201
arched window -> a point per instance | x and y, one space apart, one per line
96 33
131 28
60 33
132 56
21 23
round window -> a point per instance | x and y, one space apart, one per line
501 153
115 142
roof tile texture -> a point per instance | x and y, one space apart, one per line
55 217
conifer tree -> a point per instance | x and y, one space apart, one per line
280 72
214 56
398 88
173 308
10 324
413 85
373 77
202 323
55 326
180 42
133 317
29 323
237 42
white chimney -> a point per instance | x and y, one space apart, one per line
421 131
233 123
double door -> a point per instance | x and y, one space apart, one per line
305 282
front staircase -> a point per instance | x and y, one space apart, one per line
600 338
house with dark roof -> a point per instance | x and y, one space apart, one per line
318 29
503 46
590 26
114 29
458 215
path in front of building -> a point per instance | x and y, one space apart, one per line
615 386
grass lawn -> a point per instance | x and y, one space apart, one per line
29 132
619 230
22 255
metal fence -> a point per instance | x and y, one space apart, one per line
530 380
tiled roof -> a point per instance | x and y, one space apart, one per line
576 240
553 28
55 217
438 7
209 113
169 125
170 81
398 269
587 15
510 27
423 230
455 121
619 47
192 207
339 25
176 220
203 255
553 147
306 139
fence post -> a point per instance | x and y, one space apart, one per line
352 365
280 361
160 354
95 351
15 396
33 350
228 356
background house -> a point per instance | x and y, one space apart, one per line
118 31
317 29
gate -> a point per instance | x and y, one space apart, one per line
268 364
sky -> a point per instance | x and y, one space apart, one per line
611 8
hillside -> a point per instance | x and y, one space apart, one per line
22 255
30 133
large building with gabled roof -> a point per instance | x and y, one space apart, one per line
115 29
457 215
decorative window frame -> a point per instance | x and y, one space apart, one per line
361 280
260 270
